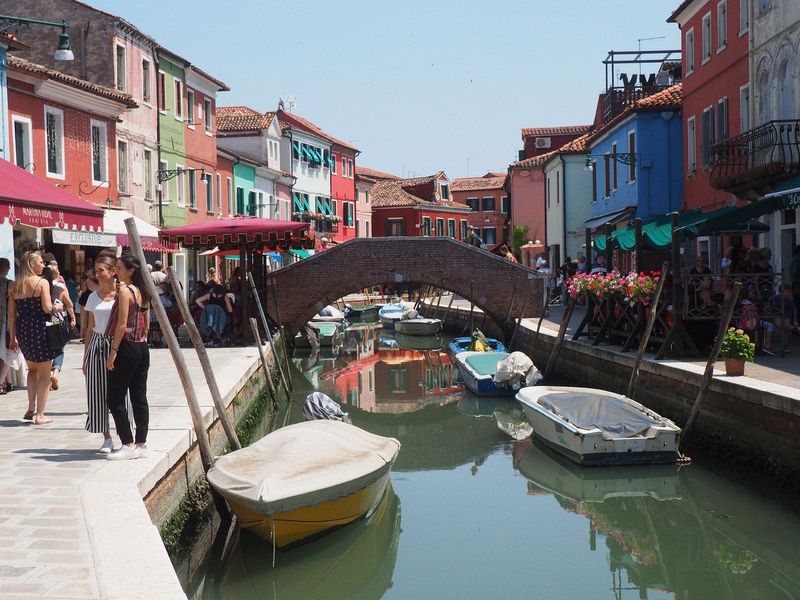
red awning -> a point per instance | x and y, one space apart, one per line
32 201
228 233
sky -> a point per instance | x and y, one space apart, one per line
418 86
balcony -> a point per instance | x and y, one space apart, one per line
755 159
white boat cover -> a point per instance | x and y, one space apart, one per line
331 311
303 465
588 410
517 367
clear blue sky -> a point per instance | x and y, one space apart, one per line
418 86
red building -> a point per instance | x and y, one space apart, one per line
488 200
63 129
421 206
716 95
200 135
343 187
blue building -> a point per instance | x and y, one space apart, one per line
637 161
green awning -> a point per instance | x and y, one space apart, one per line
657 234
298 202
299 253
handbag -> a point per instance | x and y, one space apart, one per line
57 332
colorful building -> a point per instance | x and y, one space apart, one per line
112 53
488 200
636 161
541 140
365 180
568 190
525 185
421 206
716 91
343 188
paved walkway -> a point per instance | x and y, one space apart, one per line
72 524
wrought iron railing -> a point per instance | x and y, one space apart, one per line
615 100
757 155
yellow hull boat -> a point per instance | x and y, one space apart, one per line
305 479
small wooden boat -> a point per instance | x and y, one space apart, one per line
462 344
361 312
419 326
419 342
595 427
305 479
389 314
477 371
329 332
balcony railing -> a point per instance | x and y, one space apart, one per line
757 156
617 99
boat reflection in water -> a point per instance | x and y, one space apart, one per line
356 561
673 529
484 406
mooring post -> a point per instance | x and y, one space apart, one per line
724 321
269 335
202 355
263 355
447 312
519 320
647 331
551 361
203 441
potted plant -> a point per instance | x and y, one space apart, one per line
736 350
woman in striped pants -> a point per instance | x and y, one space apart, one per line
98 347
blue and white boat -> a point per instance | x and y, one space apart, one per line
477 371
462 344
390 314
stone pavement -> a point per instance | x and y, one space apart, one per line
72 524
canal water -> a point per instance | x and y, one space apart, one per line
473 514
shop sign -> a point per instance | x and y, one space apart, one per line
84 238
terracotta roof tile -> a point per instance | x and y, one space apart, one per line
533 161
24 66
577 145
305 124
373 174
466 184
407 192
669 98
242 118
563 130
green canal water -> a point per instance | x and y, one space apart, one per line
473 514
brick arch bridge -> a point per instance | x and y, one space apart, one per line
497 286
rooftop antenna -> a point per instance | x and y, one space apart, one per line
647 39
288 103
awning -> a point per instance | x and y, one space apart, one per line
300 253
254 233
657 234
114 223
613 217
32 201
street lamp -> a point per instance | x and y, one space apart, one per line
63 52
626 158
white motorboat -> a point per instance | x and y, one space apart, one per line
596 427
329 314
418 326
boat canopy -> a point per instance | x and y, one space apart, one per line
588 410
303 465
485 363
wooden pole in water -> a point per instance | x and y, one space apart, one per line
447 312
562 330
202 355
647 331
519 320
263 355
203 442
727 313
265 325
438 302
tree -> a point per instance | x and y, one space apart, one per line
518 235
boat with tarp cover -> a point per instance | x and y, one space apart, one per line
596 427
477 371
305 479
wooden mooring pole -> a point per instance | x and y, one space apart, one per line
202 356
725 319
647 331
264 363
271 341
562 330
203 441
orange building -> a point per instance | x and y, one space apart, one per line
489 202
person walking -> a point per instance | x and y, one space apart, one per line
473 239
29 307
98 347
6 354
129 360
